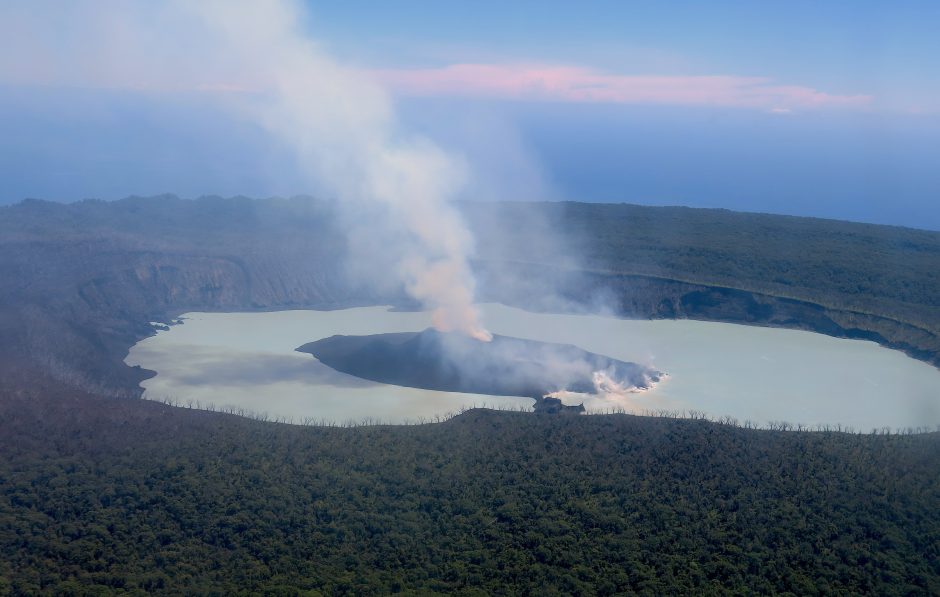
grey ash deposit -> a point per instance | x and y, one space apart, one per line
454 362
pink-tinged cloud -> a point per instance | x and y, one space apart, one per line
577 84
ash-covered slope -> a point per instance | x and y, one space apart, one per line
453 362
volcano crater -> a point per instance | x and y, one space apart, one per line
505 366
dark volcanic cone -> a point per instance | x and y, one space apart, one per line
456 363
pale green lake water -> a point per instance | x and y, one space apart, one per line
247 360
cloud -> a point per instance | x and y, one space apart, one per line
156 47
576 84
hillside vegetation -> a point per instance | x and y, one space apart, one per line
885 270
171 501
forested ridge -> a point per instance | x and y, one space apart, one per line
886 269
487 503
874 268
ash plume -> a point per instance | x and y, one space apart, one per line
257 61
391 186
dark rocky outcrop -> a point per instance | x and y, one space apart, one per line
549 405
453 362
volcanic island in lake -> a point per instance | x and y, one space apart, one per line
506 366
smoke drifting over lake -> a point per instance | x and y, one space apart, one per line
394 189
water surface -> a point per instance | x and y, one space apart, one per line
247 360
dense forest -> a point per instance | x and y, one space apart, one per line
170 501
102 493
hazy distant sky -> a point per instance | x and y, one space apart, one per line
814 108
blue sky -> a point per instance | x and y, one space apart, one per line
827 109
887 49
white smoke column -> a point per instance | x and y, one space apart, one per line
344 128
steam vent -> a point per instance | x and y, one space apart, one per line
453 362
